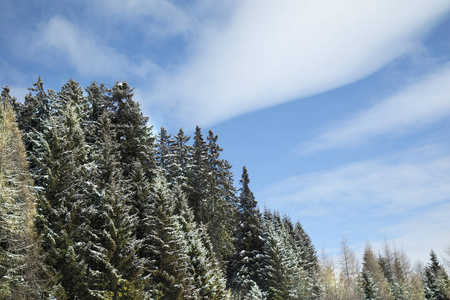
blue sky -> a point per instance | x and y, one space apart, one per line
341 112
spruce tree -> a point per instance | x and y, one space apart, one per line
110 246
166 266
164 149
208 280
220 200
196 191
373 280
309 260
246 262
34 111
180 160
60 155
368 287
436 282
132 133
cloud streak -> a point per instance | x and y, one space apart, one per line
418 105
403 198
270 53
392 185
85 53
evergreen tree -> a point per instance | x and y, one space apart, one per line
21 276
166 271
60 155
220 200
309 259
99 104
368 286
196 191
132 133
285 272
164 153
436 282
245 265
208 279
36 109
373 280
180 160
109 231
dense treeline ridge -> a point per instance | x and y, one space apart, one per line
118 213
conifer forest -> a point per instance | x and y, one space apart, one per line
95 205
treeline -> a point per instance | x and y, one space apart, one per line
93 205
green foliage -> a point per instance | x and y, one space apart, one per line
122 215
436 281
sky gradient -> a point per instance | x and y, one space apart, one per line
341 113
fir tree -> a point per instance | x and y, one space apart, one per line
309 260
245 265
208 279
374 275
132 133
436 282
166 269
219 206
164 153
368 287
111 246
180 160
60 155
196 191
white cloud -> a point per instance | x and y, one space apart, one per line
85 53
166 17
403 198
423 232
391 185
420 104
272 52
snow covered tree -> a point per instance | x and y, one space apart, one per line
285 273
180 160
99 104
164 147
60 154
209 281
132 133
196 191
436 282
247 260
109 245
208 278
34 111
166 268
373 280
368 287
309 260
21 276
220 199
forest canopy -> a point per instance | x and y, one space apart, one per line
94 205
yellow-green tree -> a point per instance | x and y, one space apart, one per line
20 273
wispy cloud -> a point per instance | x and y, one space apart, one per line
421 233
158 16
272 52
420 104
85 53
402 182
403 198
